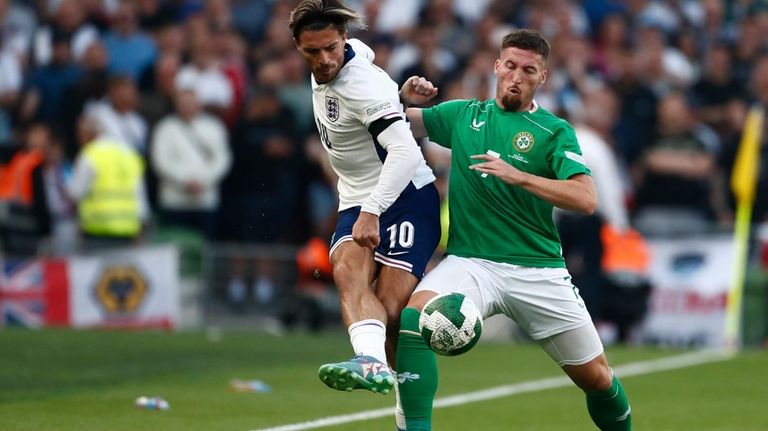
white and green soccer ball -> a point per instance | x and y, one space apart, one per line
450 324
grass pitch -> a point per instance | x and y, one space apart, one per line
87 380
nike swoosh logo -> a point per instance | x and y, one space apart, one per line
397 253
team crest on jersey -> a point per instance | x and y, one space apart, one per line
332 108
523 142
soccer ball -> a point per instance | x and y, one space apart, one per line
450 324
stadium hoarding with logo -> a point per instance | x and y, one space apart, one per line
690 279
136 288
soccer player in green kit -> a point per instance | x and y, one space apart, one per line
512 162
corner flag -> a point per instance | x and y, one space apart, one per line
743 184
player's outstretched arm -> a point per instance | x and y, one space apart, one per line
417 122
577 193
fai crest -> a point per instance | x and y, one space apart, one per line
332 108
523 142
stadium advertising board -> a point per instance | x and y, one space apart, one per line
137 288
690 279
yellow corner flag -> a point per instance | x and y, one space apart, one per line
744 176
743 184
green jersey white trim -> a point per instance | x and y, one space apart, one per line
490 219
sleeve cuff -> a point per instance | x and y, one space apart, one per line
371 208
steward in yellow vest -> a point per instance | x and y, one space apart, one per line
112 205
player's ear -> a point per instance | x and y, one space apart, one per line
543 76
496 66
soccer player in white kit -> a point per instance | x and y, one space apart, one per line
389 223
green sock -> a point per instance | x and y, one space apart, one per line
610 409
417 370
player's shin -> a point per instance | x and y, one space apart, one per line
610 409
417 373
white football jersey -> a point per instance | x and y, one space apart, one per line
360 94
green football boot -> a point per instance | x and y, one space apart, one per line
360 372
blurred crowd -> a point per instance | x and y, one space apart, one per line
203 107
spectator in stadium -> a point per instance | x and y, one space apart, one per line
388 223
678 189
17 24
262 190
203 72
230 50
443 17
92 86
190 155
68 17
57 172
637 120
46 86
158 88
24 215
108 186
117 115
11 80
716 88
512 162
427 57
131 50
611 41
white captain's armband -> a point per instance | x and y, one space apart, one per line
575 157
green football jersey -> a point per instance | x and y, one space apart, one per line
490 219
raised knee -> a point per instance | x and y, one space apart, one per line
601 382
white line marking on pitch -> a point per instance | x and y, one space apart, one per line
626 370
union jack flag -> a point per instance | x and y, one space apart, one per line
22 293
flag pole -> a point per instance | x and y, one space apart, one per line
743 184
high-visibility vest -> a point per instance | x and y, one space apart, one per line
16 181
111 207
20 225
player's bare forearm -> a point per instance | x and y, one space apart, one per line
574 194
416 120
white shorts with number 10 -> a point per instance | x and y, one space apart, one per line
542 301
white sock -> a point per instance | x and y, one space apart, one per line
399 415
367 337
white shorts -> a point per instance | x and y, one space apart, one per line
542 301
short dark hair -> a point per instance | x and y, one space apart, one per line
316 15
528 40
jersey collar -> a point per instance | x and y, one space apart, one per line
534 108
349 53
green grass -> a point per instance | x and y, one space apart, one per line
87 380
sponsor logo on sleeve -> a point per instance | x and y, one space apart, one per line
377 108
575 157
